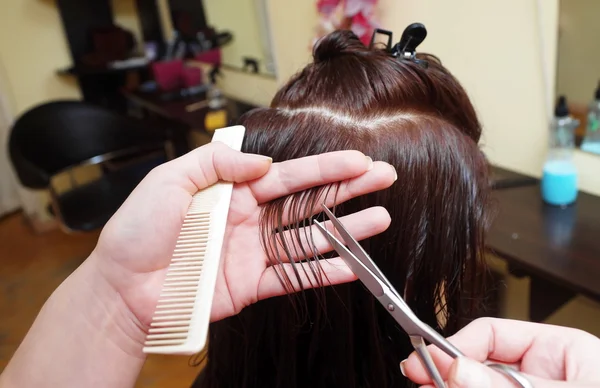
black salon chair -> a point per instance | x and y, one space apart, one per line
57 137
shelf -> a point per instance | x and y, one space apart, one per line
93 70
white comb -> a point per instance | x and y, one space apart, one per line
180 322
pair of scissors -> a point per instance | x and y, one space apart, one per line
371 276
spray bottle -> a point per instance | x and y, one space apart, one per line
591 140
559 179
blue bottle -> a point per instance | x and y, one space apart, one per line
559 178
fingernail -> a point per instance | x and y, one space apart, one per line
370 163
395 173
266 158
469 373
402 368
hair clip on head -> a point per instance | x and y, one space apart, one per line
412 37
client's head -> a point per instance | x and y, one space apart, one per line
421 121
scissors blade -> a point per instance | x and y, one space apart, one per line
367 271
356 266
355 247
421 349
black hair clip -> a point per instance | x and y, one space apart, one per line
406 48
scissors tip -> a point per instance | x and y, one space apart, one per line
327 211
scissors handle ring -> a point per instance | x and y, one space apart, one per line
514 375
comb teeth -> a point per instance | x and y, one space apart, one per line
180 322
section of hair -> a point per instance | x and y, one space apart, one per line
420 121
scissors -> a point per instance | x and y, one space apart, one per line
371 276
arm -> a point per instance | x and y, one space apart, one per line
84 336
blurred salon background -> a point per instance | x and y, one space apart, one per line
95 93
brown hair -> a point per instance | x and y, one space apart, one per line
422 122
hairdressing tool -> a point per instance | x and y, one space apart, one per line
180 322
406 48
369 274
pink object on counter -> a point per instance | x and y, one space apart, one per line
191 76
167 74
212 57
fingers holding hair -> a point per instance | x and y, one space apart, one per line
352 168
216 161
304 205
339 176
324 272
309 239
333 271
295 175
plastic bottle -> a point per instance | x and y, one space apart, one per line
559 179
591 140
215 97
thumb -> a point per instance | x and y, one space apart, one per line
231 165
467 373
215 161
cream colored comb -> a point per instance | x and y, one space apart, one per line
180 322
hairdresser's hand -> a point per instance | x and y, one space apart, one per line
549 356
95 322
136 245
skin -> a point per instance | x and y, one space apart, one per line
550 356
90 331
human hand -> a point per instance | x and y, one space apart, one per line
136 245
549 356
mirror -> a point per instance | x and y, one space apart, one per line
249 48
234 33
578 67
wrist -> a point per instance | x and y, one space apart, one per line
101 308
84 335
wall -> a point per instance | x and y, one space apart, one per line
32 48
293 24
578 54
125 15
29 73
9 196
